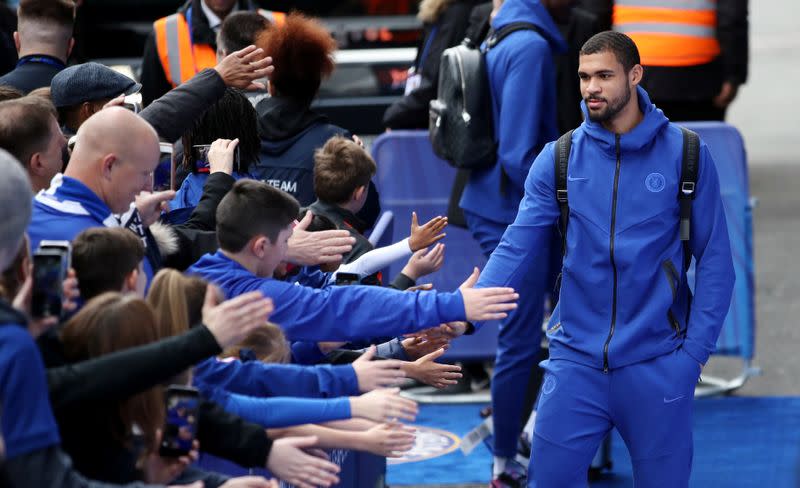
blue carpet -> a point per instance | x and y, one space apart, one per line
738 442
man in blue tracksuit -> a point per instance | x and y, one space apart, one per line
522 78
615 358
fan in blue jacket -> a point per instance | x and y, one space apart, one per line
254 243
113 161
616 359
522 82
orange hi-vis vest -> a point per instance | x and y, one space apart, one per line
670 32
180 57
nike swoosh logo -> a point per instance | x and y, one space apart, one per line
570 178
673 399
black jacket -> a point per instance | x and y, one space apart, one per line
197 236
347 220
449 29
33 72
580 26
290 133
153 79
704 81
176 111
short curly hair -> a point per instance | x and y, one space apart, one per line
617 43
302 53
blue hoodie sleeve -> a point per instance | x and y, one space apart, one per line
714 274
282 411
521 118
28 424
313 278
261 379
306 352
344 313
521 249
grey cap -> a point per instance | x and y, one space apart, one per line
87 82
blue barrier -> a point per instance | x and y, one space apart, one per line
727 148
410 177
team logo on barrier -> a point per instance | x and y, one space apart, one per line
429 443
655 182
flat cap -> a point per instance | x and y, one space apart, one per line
88 82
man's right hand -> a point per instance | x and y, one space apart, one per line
221 155
242 68
232 320
314 248
482 304
289 462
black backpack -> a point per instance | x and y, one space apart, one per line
461 127
686 193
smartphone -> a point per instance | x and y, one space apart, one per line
50 267
180 426
133 102
200 158
347 279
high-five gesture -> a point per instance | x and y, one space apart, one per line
430 233
481 304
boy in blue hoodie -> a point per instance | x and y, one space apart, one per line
254 223
522 82
624 350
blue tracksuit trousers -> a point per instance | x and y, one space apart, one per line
650 404
518 341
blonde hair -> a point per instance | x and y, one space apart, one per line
177 301
267 343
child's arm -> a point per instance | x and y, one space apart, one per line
421 237
388 440
377 259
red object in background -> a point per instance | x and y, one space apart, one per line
388 7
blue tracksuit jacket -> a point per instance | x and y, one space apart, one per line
522 79
623 267
335 313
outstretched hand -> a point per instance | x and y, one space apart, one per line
426 235
242 68
313 248
482 304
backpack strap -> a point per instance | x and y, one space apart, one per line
686 192
495 36
561 161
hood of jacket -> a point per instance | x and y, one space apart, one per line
534 12
654 121
282 122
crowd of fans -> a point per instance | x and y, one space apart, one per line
231 286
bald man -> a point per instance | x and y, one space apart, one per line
113 161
